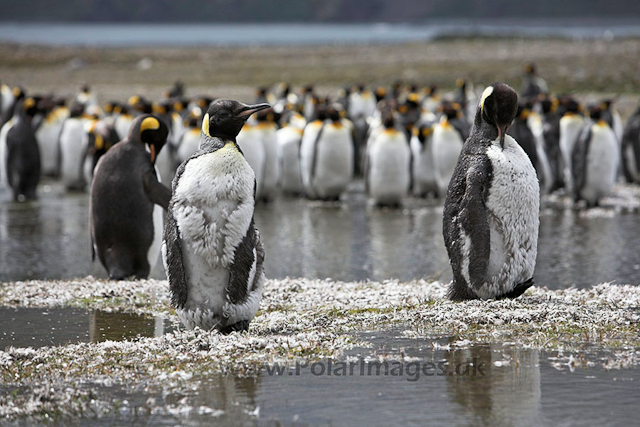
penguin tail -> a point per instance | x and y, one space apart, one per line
241 326
518 290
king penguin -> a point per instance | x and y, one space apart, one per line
126 201
491 213
73 143
447 142
267 129
388 165
250 142
47 136
571 124
211 248
289 139
327 163
422 168
595 160
23 155
631 148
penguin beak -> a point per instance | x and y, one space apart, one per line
250 109
152 152
502 131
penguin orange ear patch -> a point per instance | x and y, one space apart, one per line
149 123
205 124
487 92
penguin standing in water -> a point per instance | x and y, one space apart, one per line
23 154
289 139
126 202
388 165
267 128
491 214
422 169
211 248
595 160
47 136
571 124
447 141
327 162
73 143
250 142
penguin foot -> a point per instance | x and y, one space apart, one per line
518 290
460 293
241 326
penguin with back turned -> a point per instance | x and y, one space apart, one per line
22 152
126 201
491 214
211 248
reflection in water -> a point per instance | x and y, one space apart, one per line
38 327
347 241
119 326
232 399
509 392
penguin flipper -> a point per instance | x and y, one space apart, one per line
314 158
245 260
579 161
172 253
156 191
466 222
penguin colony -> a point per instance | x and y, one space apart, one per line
402 141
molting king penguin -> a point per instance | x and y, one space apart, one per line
126 202
491 213
211 248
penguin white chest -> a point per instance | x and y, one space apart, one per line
602 163
513 214
446 145
213 207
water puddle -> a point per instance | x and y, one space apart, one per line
399 381
39 327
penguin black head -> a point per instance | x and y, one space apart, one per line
386 115
530 68
498 107
150 130
596 112
450 110
29 106
224 118
333 113
423 131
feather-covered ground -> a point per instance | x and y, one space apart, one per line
299 320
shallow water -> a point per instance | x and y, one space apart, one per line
286 34
39 327
424 381
350 241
